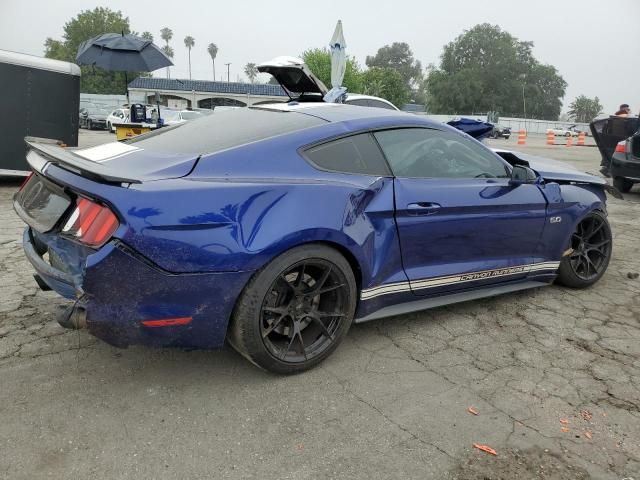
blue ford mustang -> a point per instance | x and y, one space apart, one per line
274 228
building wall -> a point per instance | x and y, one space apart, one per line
196 99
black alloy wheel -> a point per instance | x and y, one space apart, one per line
589 254
304 310
296 310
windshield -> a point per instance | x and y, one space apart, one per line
99 111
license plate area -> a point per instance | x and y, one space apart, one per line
41 203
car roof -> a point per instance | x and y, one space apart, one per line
335 112
253 124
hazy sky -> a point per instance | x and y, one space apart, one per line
595 44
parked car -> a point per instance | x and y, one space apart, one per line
275 228
562 132
500 132
302 85
576 130
173 117
119 115
368 101
93 117
618 140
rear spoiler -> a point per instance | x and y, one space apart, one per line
43 152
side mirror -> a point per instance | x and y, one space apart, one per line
521 174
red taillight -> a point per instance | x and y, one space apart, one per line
621 147
91 223
26 180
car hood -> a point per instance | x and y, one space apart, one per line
549 169
97 116
293 75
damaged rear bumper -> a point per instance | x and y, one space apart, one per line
129 300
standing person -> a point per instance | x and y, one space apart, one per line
621 127
623 111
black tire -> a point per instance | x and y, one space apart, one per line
279 305
592 245
568 134
622 184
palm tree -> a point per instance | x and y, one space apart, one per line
189 42
168 51
213 51
147 36
251 72
167 34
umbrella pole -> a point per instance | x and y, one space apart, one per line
126 86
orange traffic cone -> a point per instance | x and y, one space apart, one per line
522 137
569 141
551 138
581 137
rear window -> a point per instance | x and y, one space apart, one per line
354 154
227 129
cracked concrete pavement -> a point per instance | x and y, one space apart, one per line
554 374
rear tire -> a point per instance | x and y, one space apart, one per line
282 320
592 246
622 184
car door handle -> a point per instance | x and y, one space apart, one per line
423 208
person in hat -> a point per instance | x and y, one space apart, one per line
623 111
621 131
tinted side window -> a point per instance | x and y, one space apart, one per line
430 153
355 154
362 102
379 104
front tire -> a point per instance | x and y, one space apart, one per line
622 184
296 310
591 246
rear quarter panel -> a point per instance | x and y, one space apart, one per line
236 225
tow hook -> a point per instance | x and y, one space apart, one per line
73 317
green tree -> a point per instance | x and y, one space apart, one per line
386 83
213 53
147 36
251 72
487 68
189 42
88 24
399 57
584 109
319 62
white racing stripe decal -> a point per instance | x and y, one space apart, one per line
398 287
107 151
